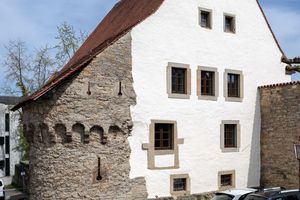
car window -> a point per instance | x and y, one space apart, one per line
254 197
1 184
220 196
292 197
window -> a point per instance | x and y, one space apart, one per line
180 184
226 180
163 141
7 128
230 136
178 81
164 136
233 85
207 83
205 18
7 146
229 24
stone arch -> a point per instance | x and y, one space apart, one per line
61 133
114 130
97 132
78 132
43 134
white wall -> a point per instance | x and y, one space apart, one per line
172 34
14 155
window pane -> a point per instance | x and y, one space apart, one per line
207 83
179 80
163 136
233 84
230 135
179 184
205 19
229 24
226 180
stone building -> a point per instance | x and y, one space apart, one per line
161 100
280 130
9 136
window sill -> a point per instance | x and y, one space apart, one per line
234 99
179 96
230 150
208 97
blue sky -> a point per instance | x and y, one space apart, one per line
35 21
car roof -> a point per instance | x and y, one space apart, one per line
236 192
273 192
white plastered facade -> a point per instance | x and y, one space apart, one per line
173 34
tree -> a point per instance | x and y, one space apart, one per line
68 42
30 70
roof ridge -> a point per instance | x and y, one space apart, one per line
280 84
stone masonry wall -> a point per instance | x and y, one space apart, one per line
81 127
280 130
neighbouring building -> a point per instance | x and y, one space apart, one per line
161 100
280 130
9 136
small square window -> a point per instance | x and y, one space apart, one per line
205 18
226 180
164 134
179 184
229 24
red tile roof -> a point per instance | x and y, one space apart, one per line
280 84
120 20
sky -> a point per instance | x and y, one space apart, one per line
36 21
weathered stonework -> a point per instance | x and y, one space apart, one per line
280 130
83 124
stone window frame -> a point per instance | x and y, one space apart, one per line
188 184
188 80
234 22
216 83
238 136
229 172
240 73
150 147
210 11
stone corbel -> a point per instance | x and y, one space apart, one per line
86 137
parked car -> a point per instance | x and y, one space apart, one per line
234 194
2 193
274 194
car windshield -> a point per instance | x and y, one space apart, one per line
254 197
221 196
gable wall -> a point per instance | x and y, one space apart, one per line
172 34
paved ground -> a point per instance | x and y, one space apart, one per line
13 194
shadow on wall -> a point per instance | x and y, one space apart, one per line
254 164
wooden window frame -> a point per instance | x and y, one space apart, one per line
233 181
187 93
187 190
209 12
233 23
161 138
215 83
241 85
225 149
